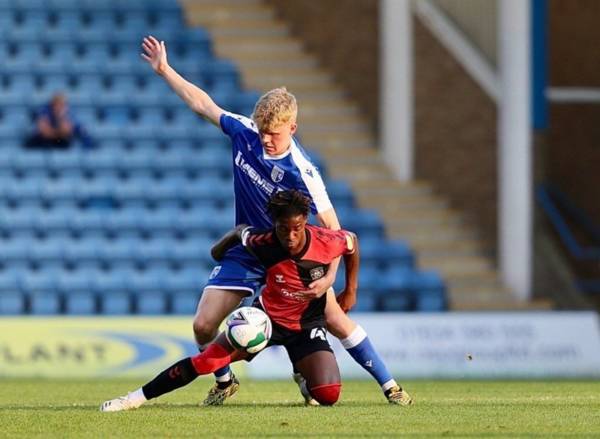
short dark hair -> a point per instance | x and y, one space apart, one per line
285 204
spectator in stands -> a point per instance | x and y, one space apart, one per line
55 126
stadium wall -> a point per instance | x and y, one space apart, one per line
455 133
344 35
572 159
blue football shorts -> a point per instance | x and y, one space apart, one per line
238 270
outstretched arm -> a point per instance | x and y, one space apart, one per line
155 53
231 238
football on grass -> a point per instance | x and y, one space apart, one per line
248 329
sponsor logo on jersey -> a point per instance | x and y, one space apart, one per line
214 272
253 175
277 174
317 273
318 333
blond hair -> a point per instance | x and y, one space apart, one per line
275 108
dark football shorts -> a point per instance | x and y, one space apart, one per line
298 344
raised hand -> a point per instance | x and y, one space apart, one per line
155 53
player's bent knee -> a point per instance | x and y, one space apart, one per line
204 330
326 394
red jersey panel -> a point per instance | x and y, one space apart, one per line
288 274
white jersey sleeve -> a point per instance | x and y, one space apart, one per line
311 179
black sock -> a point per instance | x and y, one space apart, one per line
174 377
224 384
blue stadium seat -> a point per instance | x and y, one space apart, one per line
161 219
87 220
9 281
16 219
185 302
45 303
29 5
430 292
80 303
68 19
190 278
340 193
63 5
46 250
11 302
386 253
39 281
116 303
124 219
82 250
117 250
55 219
110 281
361 221
395 290
152 250
192 251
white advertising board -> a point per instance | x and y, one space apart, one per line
467 345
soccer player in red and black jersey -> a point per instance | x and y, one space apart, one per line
294 255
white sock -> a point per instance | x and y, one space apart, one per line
388 385
354 338
137 397
224 378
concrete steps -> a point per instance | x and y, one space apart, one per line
250 33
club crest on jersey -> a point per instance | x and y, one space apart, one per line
317 273
277 174
279 278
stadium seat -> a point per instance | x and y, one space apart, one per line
115 303
394 290
151 302
80 303
184 302
430 292
44 303
12 303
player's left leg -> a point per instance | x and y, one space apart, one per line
217 355
322 376
356 341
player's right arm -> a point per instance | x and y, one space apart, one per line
229 240
155 53
347 298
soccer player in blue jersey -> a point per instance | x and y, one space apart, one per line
266 158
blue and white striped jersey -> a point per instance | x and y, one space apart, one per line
256 176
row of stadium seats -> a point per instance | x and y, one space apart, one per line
93 6
365 223
74 19
125 290
168 249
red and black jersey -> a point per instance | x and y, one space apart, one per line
287 274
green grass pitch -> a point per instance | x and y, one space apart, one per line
43 408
